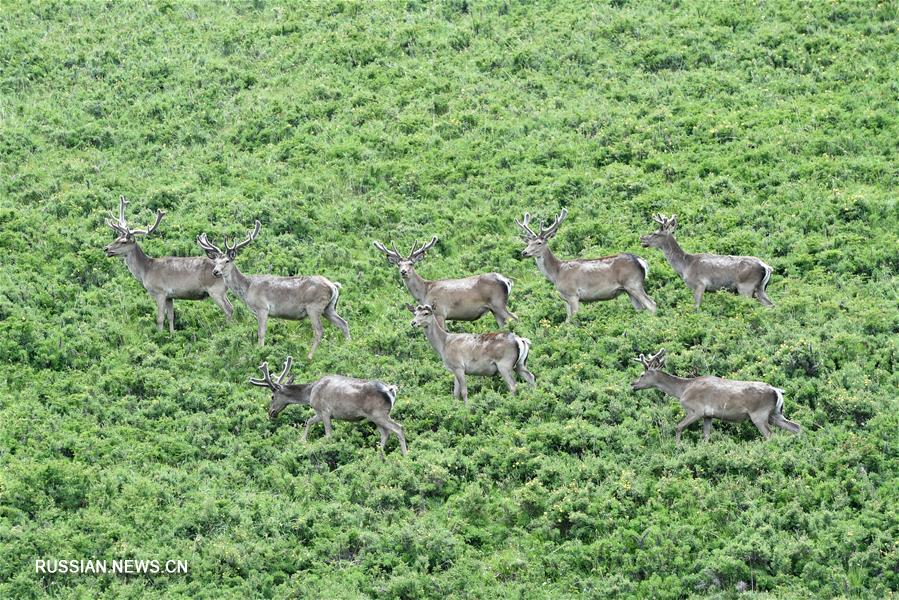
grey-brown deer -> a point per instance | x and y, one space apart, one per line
267 296
465 299
586 279
746 275
710 398
168 278
475 354
334 397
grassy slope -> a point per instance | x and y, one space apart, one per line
769 128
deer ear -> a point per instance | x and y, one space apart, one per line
212 254
410 308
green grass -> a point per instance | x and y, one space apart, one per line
770 128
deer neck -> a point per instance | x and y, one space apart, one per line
300 393
417 286
548 264
237 282
138 262
675 256
437 336
671 385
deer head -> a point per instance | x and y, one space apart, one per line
125 240
224 260
662 234
405 264
536 242
280 398
423 315
652 367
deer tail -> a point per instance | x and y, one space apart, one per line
768 271
524 347
388 391
779 406
335 294
643 265
506 282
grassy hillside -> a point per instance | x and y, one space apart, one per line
770 128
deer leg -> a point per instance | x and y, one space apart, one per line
762 424
634 302
317 329
525 374
706 428
160 312
507 376
262 319
224 304
326 419
170 312
698 291
505 313
783 423
463 386
384 435
398 430
643 298
762 297
572 305
337 321
500 318
687 421
309 422
746 290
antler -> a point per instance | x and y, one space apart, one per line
548 232
655 361
527 233
417 255
250 237
121 226
393 256
665 223
287 364
208 246
266 380
159 214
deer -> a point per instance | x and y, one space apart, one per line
710 398
586 279
281 297
474 354
168 278
465 299
747 275
334 397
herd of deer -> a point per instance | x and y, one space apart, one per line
506 354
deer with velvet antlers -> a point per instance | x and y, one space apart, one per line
267 296
475 354
334 397
710 398
746 275
588 279
169 278
465 299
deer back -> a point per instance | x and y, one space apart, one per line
349 398
727 398
290 294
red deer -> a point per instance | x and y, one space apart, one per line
586 279
710 398
281 297
458 299
475 354
747 275
169 278
335 397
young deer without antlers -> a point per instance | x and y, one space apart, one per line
710 398
167 278
459 299
280 297
335 397
475 354
747 275
586 279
